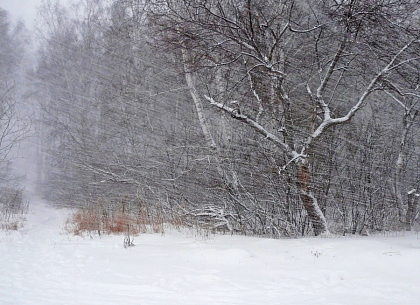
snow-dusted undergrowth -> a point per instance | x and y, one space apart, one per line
41 264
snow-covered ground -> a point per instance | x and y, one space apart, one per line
42 265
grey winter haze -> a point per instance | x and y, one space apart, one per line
215 120
25 10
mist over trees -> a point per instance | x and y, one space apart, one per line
14 125
265 118
12 128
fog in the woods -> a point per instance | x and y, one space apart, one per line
271 119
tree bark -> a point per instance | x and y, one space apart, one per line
214 152
317 218
408 120
412 202
200 112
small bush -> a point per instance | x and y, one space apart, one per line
13 208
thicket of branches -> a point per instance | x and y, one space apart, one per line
13 128
255 117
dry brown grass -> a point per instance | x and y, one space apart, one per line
119 219
84 220
122 223
90 220
12 225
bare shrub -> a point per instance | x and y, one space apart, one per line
13 208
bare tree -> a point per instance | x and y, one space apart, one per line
294 64
12 127
408 101
255 117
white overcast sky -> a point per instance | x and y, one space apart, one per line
25 10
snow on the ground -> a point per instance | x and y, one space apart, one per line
42 265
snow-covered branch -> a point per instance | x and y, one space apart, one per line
328 121
256 126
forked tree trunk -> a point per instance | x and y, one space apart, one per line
317 218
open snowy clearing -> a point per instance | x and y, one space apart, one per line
43 265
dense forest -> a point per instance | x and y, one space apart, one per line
268 118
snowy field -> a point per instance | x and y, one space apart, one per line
43 265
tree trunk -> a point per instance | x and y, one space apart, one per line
200 114
399 168
408 120
412 202
214 153
317 218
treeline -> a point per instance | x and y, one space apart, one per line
253 117
14 125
